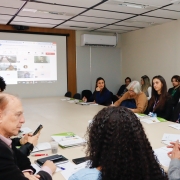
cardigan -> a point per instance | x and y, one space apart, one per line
174 170
140 99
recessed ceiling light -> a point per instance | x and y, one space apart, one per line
29 10
131 5
135 21
48 12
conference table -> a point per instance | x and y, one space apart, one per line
57 116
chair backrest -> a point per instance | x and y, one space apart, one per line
176 112
68 94
77 96
86 93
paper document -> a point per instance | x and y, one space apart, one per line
162 156
72 168
171 137
140 115
65 99
68 139
37 168
175 125
41 147
150 120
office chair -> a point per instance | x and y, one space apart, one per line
86 93
77 96
68 94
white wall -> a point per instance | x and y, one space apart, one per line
94 62
152 51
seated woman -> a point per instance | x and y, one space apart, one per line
134 99
146 86
160 104
175 90
118 149
101 95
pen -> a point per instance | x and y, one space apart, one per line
40 154
61 167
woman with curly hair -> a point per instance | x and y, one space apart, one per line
2 84
118 149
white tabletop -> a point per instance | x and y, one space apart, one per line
59 116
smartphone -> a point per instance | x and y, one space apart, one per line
80 160
38 129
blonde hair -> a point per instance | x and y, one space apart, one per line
146 84
135 85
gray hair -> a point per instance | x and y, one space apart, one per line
135 85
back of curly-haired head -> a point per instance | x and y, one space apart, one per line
2 84
117 143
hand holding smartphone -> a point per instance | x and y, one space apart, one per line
38 129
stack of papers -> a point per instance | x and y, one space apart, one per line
87 103
68 139
140 115
167 138
71 169
66 169
65 99
152 120
176 126
41 147
162 156
171 137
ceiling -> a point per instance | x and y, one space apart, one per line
90 15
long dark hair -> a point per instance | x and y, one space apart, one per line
117 143
2 84
98 79
163 96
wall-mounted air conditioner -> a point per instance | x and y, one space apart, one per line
98 40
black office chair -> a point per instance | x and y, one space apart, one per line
176 113
77 96
114 98
68 94
86 93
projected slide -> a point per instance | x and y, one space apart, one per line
28 62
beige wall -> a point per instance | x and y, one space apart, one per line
152 51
